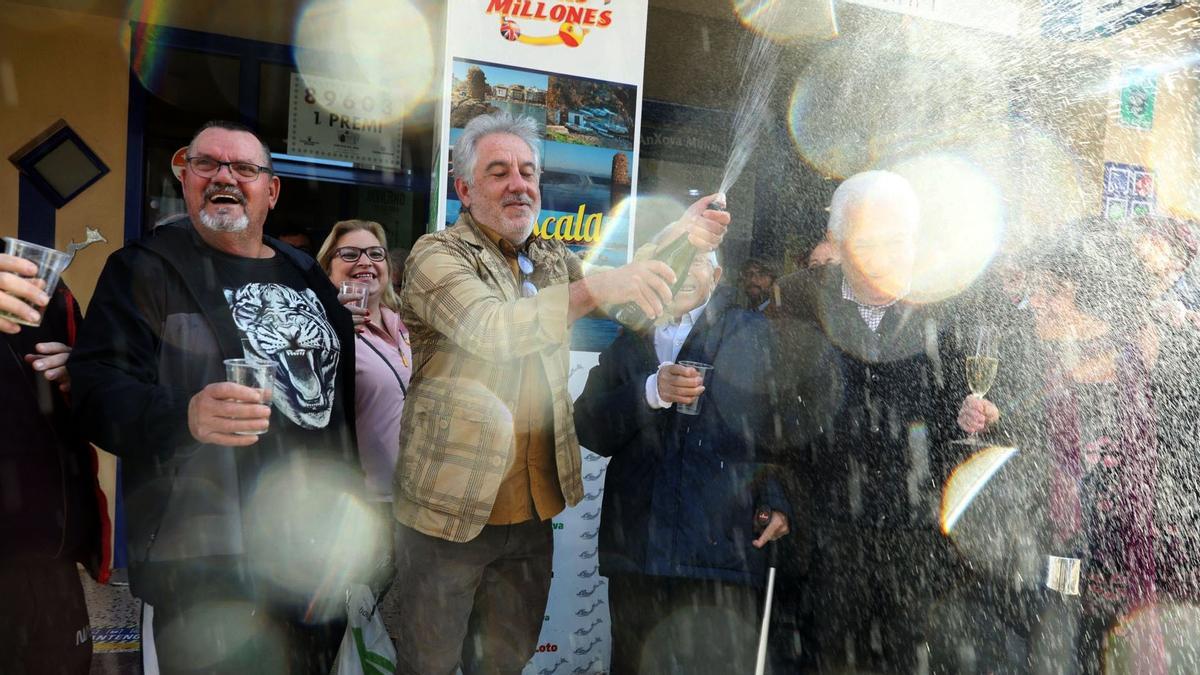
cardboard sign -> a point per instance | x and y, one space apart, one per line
344 121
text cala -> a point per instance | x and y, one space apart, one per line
581 226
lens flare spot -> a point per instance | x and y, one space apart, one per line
140 36
960 228
234 633
651 213
1155 639
1040 179
891 90
831 147
356 41
788 20
309 533
991 514
968 480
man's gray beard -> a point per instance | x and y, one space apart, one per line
224 223
513 233
525 231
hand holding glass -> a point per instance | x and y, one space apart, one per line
50 265
704 369
254 374
981 366
357 294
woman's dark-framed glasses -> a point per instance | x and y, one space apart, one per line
351 254
243 172
528 290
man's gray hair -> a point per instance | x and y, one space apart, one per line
521 126
871 187
232 126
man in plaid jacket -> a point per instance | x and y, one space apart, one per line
488 452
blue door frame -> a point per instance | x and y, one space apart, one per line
250 54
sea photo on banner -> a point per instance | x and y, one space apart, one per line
588 111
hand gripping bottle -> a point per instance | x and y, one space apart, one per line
678 255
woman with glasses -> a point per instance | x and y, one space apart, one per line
356 250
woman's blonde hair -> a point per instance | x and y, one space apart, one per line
388 297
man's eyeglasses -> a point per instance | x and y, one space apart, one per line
243 172
528 290
351 254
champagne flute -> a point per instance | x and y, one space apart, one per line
981 369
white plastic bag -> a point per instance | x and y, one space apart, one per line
366 648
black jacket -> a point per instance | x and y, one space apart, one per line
157 333
681 491
48 491
870 412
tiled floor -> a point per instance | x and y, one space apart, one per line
114 619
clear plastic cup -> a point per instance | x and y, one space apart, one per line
357 289
693 408
254 374
50 264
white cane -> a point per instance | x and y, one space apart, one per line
760 664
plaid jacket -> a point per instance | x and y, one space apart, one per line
470 330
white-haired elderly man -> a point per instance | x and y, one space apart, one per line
488 451
873 409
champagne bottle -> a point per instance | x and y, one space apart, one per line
678 255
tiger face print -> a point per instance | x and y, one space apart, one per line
290 329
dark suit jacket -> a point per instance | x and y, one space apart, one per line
681 491
869 413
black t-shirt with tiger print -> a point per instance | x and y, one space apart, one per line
281 321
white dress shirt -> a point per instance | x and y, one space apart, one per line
668 339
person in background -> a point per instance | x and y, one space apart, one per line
1167 248
488 451
824 253
49 510
757 280
679 541
1107 411
356 250
297 236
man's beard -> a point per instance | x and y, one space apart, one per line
502 226
224 223
518 231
